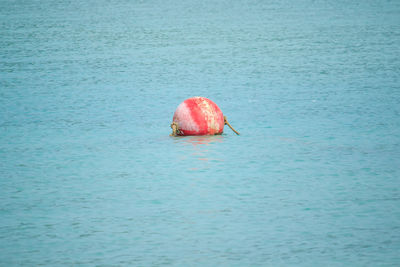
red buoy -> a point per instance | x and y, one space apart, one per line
198 116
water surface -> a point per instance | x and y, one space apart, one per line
89 175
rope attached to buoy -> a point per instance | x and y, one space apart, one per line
175 129
227 123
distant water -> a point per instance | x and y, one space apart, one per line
89 175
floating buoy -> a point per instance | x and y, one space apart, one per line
198 116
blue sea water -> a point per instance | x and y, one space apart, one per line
89 175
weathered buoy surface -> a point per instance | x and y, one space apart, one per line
198 116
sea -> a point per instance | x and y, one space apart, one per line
90 176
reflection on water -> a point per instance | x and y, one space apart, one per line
200 148
202 140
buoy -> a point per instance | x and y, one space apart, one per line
198 116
